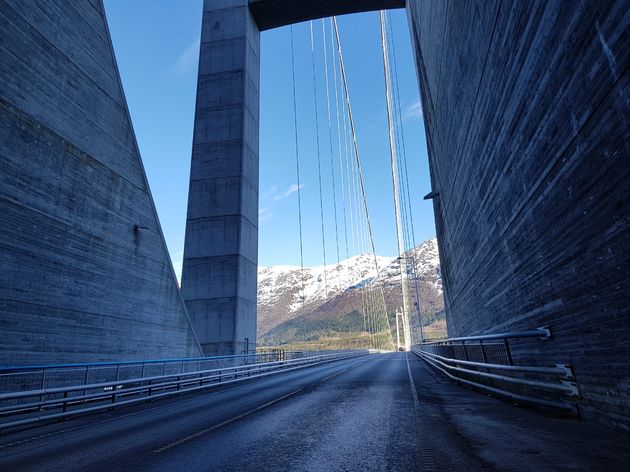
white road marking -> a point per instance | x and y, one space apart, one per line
158 408
226 422
333 375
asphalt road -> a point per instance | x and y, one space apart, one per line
362 414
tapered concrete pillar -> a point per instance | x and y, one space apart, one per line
221 248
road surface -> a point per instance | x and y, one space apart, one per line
362 414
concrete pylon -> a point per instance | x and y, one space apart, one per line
85 275
221 249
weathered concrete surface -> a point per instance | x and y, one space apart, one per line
85 274
274 13
527 115
221 248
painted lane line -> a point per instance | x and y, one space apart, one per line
226 422
333 375
148 412
344 370
247 413
414 392
160 409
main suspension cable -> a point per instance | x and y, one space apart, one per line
354 138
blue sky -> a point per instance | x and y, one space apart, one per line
156 44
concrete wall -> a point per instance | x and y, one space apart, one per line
85 274
527 114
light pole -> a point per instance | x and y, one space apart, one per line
416 304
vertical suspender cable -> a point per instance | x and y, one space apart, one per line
356 150
354 138
352 196
343 193
399 236
350 192
319 161
297 166
330 145
406 184
405 208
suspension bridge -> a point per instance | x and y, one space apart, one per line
106 363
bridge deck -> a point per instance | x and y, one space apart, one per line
349 415
275 13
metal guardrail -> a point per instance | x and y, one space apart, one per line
486 362
264 356
24 406
540 333
33 377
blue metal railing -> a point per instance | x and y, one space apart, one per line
24 402
20 368
486 362
540 333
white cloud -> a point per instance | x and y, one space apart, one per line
290 190
187 60
414 110
264 214
273 195
270 192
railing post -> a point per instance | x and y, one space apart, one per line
65 404
465 351
41 397
507 351
85 381
483 353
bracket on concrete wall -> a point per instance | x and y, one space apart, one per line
545 333
573 388
568 371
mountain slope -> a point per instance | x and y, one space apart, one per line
330 303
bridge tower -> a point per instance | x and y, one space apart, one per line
219 273
221 248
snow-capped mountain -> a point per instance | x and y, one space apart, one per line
288 292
